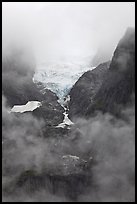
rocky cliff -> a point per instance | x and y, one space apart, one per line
107 88
84 90
118 86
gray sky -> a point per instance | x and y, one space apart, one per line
64 29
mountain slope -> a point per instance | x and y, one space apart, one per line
108 87
119 84
85 88
19 88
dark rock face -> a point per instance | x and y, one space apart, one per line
20 95
107 88
51 111
69 177
69 186
82 93
119 83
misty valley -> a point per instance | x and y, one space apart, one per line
68 125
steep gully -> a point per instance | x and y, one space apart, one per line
60 78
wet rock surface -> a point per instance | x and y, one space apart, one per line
84 90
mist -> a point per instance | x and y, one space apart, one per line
62 30
113 149
35 166
109 141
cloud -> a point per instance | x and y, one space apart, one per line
109 141
54 30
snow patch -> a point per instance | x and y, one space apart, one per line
66 121
70 156
29 106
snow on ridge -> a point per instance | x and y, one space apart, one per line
29 106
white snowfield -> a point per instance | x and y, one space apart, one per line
65 122
70 156
29 106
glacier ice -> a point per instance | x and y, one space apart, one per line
59 77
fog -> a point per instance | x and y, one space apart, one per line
60 30
37 32
108 141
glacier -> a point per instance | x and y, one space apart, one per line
60 77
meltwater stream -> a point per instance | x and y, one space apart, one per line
60 78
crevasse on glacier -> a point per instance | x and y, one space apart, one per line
60 77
